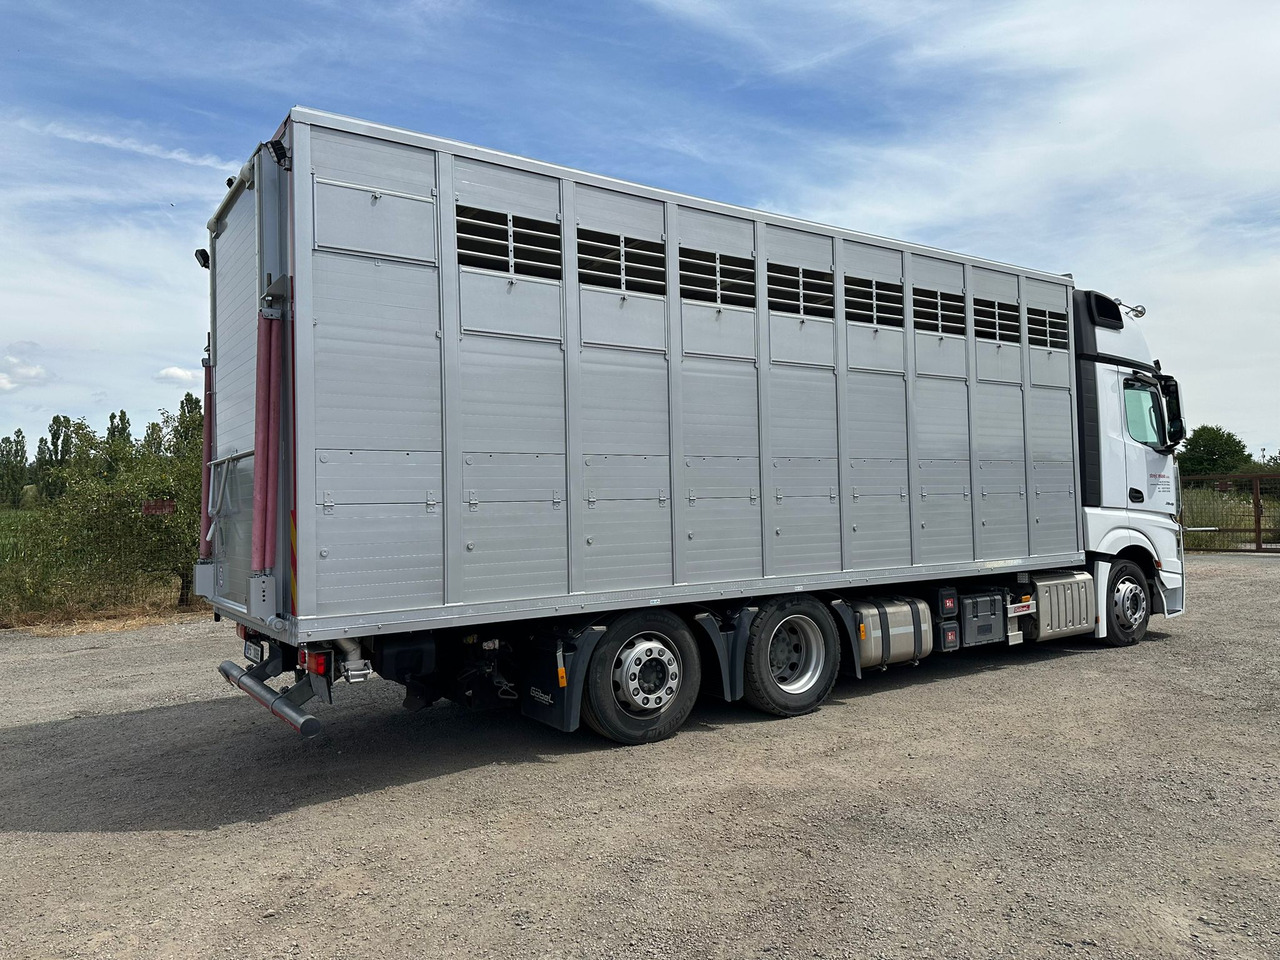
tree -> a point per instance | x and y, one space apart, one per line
52 455
188 428
1213 449
13 468
153 439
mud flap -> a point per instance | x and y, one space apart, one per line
554 670
730 647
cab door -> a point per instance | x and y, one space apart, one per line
1149 467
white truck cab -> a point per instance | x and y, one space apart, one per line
1130 423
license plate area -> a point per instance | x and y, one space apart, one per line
255 651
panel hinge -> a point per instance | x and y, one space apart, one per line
692 497
832 495
328 502
431 501
473 501
1022 492
591 499
555 500
752 493
966 493
855 493
662 498
777 494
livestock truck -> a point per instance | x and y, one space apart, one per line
498 430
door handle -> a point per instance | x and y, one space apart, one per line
1136 495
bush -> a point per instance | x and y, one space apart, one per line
90 548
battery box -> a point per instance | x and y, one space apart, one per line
946 603
981 618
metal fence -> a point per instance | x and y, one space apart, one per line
1232 512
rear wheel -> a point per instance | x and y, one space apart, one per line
1128 604
643 678
793 656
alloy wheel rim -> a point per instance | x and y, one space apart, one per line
797 654
1129 601
647 674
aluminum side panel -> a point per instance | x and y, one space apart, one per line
235 304
627 544
614 477
511 398
720 414
620 319
875 348
514 550
802 412
378 476
377 557
806 534
498 303
723 539
877 415
377 354
624 402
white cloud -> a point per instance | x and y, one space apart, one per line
178 375
1132 144
64 131
16 372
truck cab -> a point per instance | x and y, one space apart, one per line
1130 424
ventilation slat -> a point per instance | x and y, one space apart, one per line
492 240
717 278
622 263
938 312
1047 328
798 290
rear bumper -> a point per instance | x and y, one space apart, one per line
286 705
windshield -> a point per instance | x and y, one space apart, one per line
1142 413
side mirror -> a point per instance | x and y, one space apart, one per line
1173 408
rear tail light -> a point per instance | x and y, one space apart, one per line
314 661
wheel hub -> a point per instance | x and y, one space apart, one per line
646 673
1129 601
797 654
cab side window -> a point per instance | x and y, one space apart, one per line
1142 414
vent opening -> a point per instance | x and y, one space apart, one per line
503 242
1046 328
995 320
938 312
621 263
799 290
717 278
873 301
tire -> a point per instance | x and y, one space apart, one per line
793 656
1128 604
650 699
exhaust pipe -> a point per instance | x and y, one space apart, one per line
278 703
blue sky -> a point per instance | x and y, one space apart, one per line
1136 145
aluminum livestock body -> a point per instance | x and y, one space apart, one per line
498 430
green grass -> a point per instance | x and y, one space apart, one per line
1206 506
42 580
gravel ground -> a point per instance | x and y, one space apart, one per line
1067 800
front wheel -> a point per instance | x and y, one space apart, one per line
643 678
1128 604
793 656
